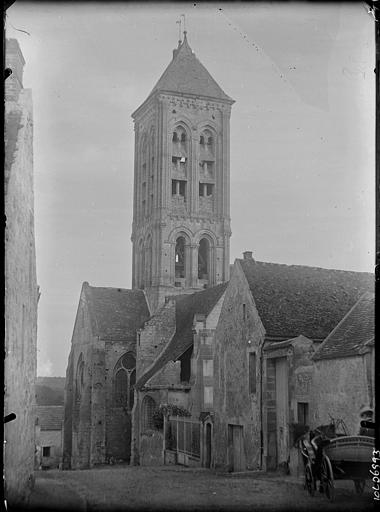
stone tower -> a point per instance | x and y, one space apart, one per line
181 216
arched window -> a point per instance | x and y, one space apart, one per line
210 141
202 140
124 380
148 409
80 377
180 257
148 261
203 259
175 137
183 137
139 257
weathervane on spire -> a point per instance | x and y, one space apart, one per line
184 26
178 22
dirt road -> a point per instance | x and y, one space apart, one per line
177 488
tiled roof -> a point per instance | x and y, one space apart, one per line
49 417
186 75
353 333
295 299
186 307
117 312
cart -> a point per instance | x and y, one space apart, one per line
340 458
346 458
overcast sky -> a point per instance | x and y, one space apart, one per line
302 135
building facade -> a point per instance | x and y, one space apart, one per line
49 436
100 376
21 290
344 368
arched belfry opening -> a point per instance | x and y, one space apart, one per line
204 259
180 258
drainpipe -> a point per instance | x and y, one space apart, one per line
261 408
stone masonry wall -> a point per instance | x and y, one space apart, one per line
78 405
339 390
21 291
233 402
52 438
156 333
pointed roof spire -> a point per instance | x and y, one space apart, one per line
186 75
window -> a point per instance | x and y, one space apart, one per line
179 188
80 377
208 368
202 140
175 137
180 257
303 413
124 381
185 372
206 189
203 258
252 372
148 408
208 396
46 451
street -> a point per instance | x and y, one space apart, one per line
178 488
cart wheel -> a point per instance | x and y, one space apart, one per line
327 478
359 486
309 480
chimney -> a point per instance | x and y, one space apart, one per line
247 255
15 61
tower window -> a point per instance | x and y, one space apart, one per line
202 140
179 188
175 137
183 137
180 257
210 141
206 189
203 258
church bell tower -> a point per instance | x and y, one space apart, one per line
181 212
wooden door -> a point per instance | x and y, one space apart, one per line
282 408
208 445
236 448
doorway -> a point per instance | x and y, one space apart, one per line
208 445
282 408
235 448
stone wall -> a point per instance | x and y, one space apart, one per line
53 439
21 291
237 335
340 390
157 332
79 397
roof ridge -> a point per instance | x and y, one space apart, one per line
303 266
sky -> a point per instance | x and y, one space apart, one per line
302 135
